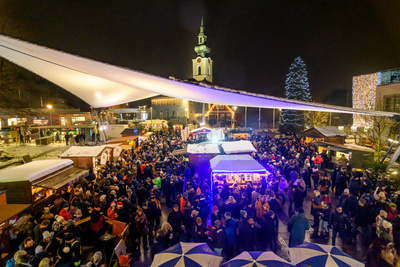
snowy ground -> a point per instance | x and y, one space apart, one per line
15 152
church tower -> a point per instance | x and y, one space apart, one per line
202 64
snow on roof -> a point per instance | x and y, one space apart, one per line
235 163
105 85
83 151
236 147
33 170
330 131
205 148
201 129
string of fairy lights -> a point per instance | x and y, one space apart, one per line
364 97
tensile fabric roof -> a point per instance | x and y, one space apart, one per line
104 85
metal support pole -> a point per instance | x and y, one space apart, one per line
103 136
259 118
245 117
204 114
273 119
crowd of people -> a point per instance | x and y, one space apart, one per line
230 219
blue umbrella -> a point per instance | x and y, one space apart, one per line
257 259
187 254
310 254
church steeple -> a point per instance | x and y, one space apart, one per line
202 49
202 64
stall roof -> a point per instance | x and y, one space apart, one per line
123 139
324 131
201 130
235 163
7 211
83 151
203 148
62 178
344 148
33 170
236 147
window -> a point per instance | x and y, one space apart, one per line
209 70
199 70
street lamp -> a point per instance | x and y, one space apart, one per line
50 107
233 116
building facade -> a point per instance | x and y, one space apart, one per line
375 91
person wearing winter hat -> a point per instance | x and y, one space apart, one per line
219 238
392 212
122 261
45 262
112 212
25 261
386 232
379 221
16 259
214 215
76 248
363 219
96 260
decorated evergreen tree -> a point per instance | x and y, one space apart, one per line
297 88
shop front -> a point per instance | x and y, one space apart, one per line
236 169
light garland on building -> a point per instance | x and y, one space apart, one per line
364 97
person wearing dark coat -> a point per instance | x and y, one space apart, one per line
354 186
363 219
248 235
219 238
343 196
199 232
203 208
299 194
298 225
230 235
341 180
340 222
350 206
268 232
176 219
160 243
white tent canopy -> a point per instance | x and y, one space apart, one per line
235 163
83 151
104 85
235 147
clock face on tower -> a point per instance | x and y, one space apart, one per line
199 60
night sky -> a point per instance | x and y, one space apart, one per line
252 43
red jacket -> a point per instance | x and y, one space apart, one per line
65 214
390 214
318 160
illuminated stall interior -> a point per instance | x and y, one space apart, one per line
236 169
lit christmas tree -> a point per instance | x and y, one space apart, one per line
297 88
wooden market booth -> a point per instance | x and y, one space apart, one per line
37 182
236 169
9 212
329 134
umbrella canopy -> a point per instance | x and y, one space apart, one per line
187 254
257 259
321 255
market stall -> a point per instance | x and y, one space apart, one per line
37 182
238 147
89 157
236 169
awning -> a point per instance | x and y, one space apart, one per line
65 177
105 85
179 151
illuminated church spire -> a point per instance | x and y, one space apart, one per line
202 64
